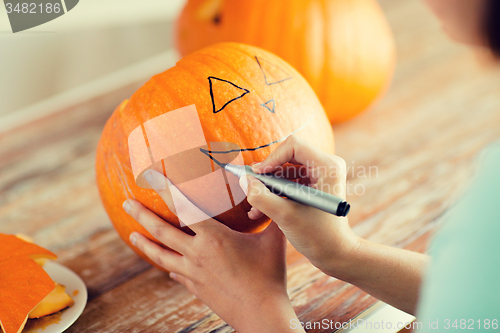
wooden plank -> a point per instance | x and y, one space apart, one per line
105 263
162 305
47 186
47 178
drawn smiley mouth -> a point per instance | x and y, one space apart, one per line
188 165
236 150
204 181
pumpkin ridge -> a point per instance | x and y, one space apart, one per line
123 178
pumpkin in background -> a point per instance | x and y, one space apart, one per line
243 95
344 48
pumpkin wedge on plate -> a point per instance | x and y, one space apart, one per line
24 285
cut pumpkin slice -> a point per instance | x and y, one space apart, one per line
26 238
23 282
54 302
12 246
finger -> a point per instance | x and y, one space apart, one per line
164 232
159 183
187 212
183 280
266 202
292 171
255 214
325 172
164 258
293 150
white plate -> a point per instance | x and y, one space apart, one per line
75 287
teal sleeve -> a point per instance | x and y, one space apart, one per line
463 279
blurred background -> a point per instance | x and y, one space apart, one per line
91 50
104 45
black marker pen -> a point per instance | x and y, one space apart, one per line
294 191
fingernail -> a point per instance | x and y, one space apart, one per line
172 275
133 238
255 167
244 184
149 177
155 179
127 206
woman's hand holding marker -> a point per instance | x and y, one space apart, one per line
325 239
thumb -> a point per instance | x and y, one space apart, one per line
272 205
274 239
289 216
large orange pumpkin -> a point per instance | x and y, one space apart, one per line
344 48
243 95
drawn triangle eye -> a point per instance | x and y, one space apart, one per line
272 73
223 92
269 105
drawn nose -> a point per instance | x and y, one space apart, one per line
269 105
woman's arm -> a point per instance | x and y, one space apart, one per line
390 274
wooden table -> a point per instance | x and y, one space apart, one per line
441 110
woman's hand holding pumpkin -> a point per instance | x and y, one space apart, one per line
241 277
326 240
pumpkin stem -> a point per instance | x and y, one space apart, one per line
217 18
210 10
